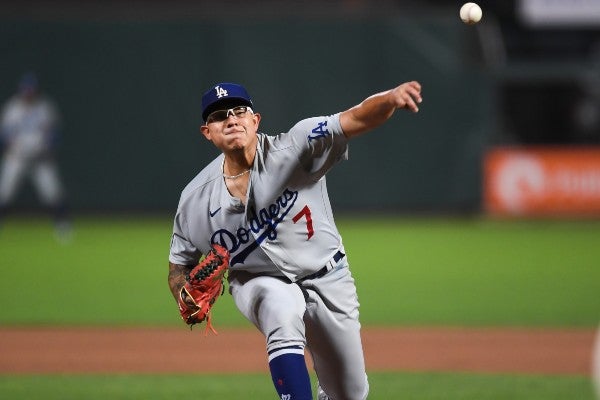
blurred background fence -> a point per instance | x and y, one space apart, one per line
128 78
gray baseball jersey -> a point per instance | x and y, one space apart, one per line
287 226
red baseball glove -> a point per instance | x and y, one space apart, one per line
203 286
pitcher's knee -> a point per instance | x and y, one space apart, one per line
347 390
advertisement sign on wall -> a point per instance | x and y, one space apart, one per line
542 181
557 13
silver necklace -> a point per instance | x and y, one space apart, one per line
236 176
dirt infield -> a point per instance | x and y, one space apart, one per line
163 350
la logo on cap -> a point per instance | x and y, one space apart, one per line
220 92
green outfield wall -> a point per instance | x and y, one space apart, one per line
130 91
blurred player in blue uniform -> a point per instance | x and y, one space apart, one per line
28 134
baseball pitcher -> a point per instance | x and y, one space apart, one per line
260 212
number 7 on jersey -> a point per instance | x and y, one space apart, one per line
305 212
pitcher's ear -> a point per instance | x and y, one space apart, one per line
205 131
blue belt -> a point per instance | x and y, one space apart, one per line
328 267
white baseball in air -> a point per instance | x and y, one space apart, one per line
470 13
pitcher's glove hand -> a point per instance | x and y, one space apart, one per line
204 284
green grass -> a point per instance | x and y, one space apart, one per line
408 271
114 271
384 386
423 271
476 272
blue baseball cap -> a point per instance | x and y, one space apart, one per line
28 82
224 95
